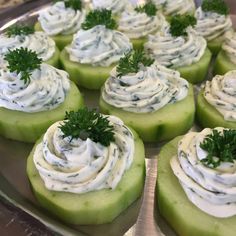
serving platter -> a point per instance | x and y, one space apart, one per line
140 219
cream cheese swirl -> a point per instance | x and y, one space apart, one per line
58 19
211 190
39 42
173 7
212 25
229 45
46 90
81 166
98 46
173 51
116 6
136 25
148 90
221 93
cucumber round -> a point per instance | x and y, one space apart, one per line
54 60
164 124
138 43
28 127
184 217
208 117
60 40
96 207
223 64
85 75
215 45
196 72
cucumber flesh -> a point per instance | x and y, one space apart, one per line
87 76
138 44
208 117
96 207
196 72
54 60
28 127
223 64
184 217
215 45
164 124
60 40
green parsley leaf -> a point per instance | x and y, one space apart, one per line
149 8
179 24
218 6
221 147
131 62
19 30
99 17
74 4
85 124
23 62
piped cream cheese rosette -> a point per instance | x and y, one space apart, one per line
142 93
116 6
209 181
216 102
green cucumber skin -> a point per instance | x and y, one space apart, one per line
196 72
223 64
215 45
207 116
28 127
85 75
184 217
60 40
97 207
159 125
54 60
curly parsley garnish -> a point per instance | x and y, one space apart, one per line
74 4
99 17
149 8
221 147
179 24
23 62
85 124
218 6
19 30
132 61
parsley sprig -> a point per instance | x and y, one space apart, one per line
85 124
23 62
19 30
99 17
221 147
74 4
132 61
218 6
179 24
149 8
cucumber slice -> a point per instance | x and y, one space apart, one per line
164 124
60 40
85 75
54 60
138 43
215 45
208 116
28 127
185 218
196 72
95 207
223 64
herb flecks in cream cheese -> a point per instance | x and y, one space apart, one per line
221 93
98 46
58 19
148 90
116 6
81 166
229 45
211 190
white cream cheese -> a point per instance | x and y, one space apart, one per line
211 190
39 42
58 19
116 6
148 90
98 46
173 7
229 45
46 90
212 25
81 166
221 93
175 52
